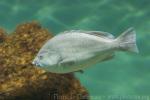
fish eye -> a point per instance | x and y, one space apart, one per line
40 57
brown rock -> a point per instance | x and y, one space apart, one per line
2 35
20 80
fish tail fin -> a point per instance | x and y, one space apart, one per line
127 41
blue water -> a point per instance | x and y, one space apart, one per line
127 76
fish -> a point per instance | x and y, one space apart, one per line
75 50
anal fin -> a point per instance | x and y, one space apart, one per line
80 71
108 57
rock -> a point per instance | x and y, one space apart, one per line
2 35
20 80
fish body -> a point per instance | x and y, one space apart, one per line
75 50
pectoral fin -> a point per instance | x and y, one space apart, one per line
66 63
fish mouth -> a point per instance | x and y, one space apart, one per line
35 63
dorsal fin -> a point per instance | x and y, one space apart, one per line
101 34
96 33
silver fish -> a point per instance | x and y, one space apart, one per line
75 50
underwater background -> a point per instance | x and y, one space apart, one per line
127 76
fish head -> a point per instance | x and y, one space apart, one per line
46 59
